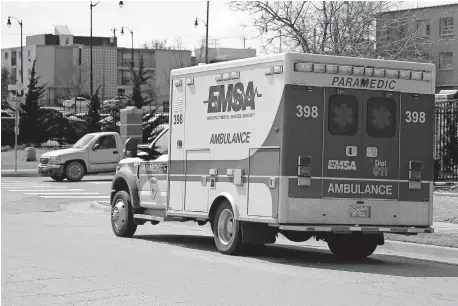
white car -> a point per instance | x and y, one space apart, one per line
80 101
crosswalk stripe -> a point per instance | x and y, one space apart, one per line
75 197
54 190
61 193
28 186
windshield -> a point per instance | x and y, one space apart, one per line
83 142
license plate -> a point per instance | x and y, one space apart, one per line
358 211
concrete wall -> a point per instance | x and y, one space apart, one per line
104 70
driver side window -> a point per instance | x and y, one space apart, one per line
162 144
107 142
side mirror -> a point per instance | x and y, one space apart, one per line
96 147
130 147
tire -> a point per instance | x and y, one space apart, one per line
58 177
122 218
352 247
74 171
227 231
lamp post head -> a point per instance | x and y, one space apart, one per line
196 23
9 22
121 4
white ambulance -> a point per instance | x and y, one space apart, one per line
336 148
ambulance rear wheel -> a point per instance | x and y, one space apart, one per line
122 218
351 247
227 231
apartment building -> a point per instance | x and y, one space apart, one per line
429 33
63 63
158 63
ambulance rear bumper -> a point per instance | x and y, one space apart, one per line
351 229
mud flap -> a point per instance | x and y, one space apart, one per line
258 233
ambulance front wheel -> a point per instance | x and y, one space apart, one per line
122 219
352 246
227 230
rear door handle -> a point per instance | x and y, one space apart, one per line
115 152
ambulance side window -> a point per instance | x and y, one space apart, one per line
343 115
381 117
162 144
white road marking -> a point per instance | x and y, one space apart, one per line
26 186
61 193
75 197
54 190
99 182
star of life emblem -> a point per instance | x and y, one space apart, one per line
153 187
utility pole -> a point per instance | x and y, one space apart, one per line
244 39
114 34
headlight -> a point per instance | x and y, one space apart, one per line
54 160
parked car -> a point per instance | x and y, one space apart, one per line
79 101
93 153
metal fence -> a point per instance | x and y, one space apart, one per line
446 140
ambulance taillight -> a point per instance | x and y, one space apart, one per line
304 171
415 169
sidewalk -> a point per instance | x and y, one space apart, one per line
20 173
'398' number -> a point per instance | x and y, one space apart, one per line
178 119
415 117
307 111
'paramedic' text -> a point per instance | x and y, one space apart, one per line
228 138
364 83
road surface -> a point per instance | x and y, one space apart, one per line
58 251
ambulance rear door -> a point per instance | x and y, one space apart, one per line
342 135
380 145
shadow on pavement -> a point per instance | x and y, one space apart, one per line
302 256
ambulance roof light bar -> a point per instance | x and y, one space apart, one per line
278 69
178 83
360 70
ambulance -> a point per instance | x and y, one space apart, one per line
302 145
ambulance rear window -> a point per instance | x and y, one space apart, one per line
343 115
381 117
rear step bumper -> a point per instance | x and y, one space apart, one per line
349 229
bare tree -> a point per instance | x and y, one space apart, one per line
347 28
156 44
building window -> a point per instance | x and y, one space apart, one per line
422 28
446 26
28 53
13 58
6 55
446 60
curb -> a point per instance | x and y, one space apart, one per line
421 251
21 173
446 194
101 206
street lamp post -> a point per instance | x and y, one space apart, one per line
22 55
121 4
206 33
132 35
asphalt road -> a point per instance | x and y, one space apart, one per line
58 251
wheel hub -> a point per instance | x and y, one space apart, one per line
226 227
118 214
75 171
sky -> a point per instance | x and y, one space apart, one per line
148 20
